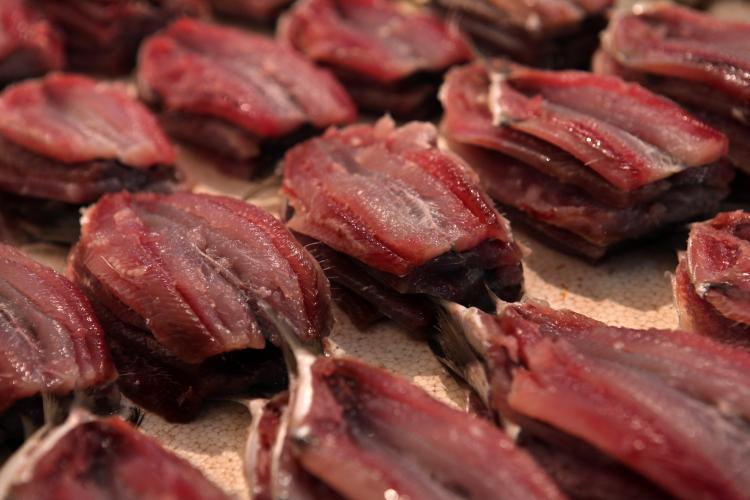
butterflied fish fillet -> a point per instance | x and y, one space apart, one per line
670 405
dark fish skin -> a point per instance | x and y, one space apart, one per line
178 281
362 297
363 433
545 369
156 379
24 173
88 458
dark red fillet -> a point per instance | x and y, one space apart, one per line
180 280
65 140
102 36
88 459
367 434
411 216
29 44
253 10
712 286
671 405
233 92
589 159
389 56
71 139
694 58
52 343
550 33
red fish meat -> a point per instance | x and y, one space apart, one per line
230 92
65 140
670 405
53 341
29 44
89 458
363 433
180 279
388 56
53 351
711 284
598 158
692 57
71 139
406 213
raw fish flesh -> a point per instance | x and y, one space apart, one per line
65 140
234 93
350 430
88 458
670 405
53 349
399 211
389 56
712 286
694 58
177 281
588 160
